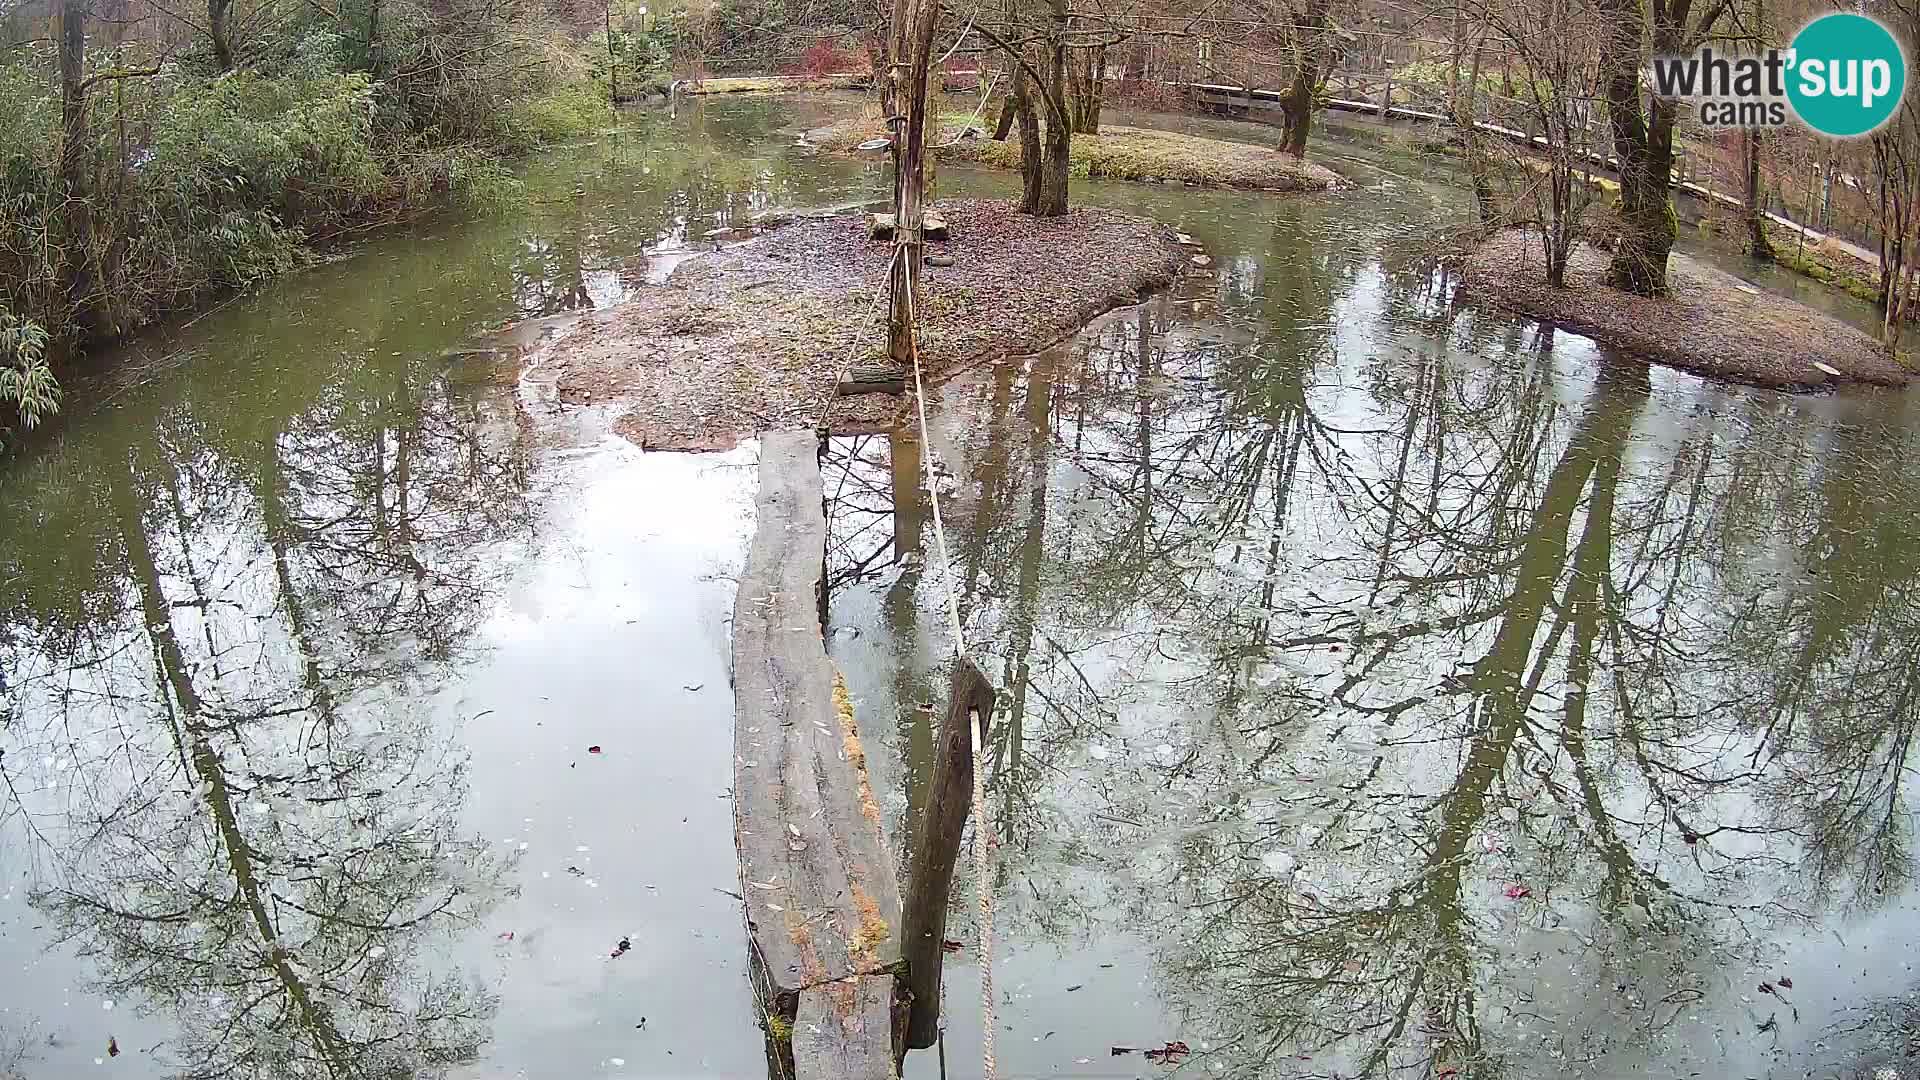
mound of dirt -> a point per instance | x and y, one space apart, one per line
756 336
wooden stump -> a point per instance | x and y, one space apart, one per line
937 846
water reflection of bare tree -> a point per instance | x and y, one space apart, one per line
1380 965
1444 694
1839 721
248 820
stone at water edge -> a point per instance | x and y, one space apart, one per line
1202 260
932 227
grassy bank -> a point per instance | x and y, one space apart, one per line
187 183
778 84
1116 153
1828 265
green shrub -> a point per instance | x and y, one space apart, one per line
192 182
27 385
567 112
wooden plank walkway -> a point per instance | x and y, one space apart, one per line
823 904
1227 97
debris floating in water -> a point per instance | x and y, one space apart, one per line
950 945
1518 892
620 949
593 749
1171 1053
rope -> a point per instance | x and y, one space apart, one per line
982 827
985 96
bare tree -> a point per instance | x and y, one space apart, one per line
1643 129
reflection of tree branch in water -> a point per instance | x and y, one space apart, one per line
1419 939
206 765
1308 844
262 881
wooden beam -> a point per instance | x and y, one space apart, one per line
937 847
822 903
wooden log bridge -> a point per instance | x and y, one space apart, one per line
822 902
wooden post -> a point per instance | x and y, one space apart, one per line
936 847
913 45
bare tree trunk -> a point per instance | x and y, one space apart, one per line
376 59
1889 161
1032 158
76 168
1643 143
221 31
1098 99
1077 89
1467 119
613 61
1306 75
1086 76
1757 243
1059 148
1009 109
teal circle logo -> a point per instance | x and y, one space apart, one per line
1847 75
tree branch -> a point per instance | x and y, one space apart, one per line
118 73
1019 56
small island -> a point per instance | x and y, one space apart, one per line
1112 153
1709 322
757 335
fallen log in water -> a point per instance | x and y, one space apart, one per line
823 905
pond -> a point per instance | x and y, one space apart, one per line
1387 688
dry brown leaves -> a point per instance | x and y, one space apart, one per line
1710 323
756 336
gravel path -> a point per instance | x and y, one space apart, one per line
756 336
1712 323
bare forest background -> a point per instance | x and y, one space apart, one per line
157 153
